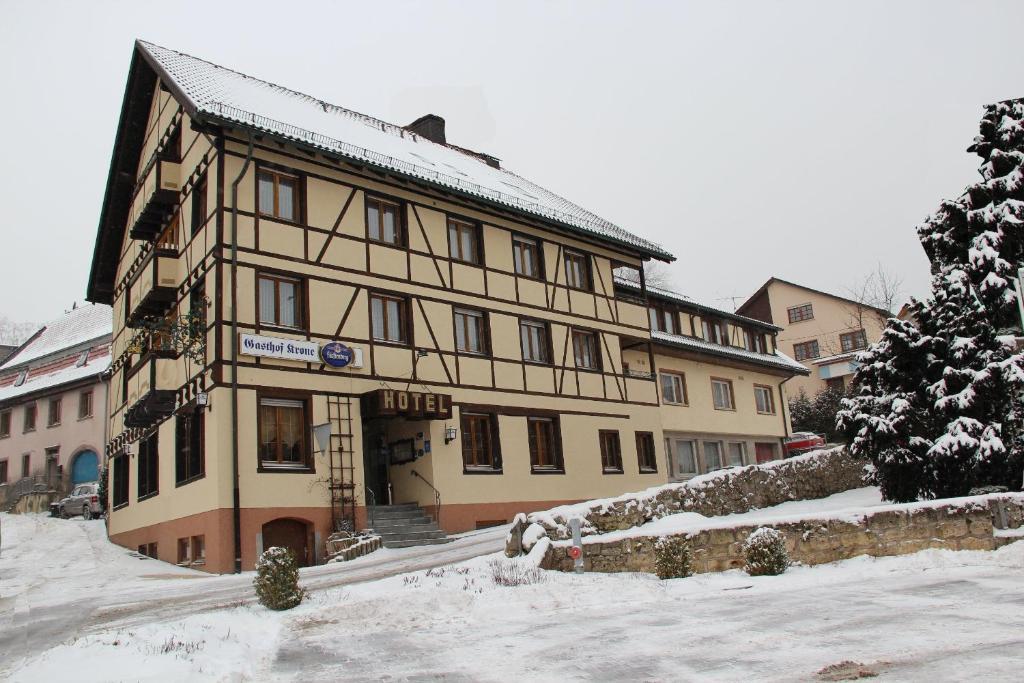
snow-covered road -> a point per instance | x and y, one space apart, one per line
61 578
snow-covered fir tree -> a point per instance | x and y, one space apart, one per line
938 407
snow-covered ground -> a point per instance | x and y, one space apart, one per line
935 615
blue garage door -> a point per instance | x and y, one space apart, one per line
85 467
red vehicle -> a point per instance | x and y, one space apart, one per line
803 442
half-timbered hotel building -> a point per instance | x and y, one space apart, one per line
316 311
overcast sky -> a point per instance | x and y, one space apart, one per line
803 140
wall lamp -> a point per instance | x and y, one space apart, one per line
450 434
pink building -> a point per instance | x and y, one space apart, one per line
53 398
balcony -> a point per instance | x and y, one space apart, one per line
153 290
152 391
155 199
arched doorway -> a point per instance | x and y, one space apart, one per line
85 468
288 533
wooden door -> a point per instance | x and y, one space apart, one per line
288 533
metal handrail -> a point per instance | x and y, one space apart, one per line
437 494
371 502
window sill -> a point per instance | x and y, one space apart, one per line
184 482
284 469
535 278
727 410
615 471
761 412
5 436
119 507
595 371
280 219
546 470
473 354
147 496
56 424
676 403
462 262
385 243
585 290
482 470
643 471
84 418
539 363
28 431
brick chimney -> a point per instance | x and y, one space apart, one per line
430 126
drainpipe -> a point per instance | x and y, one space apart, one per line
236 495
784 408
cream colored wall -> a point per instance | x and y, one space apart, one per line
832 317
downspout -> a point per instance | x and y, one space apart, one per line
784 412
236 495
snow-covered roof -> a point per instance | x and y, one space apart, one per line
849 355
776 360
669 295
74 328
65 374
221 94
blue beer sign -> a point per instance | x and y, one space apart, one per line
336 354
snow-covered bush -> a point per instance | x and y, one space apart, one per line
277 579
765 551
672 558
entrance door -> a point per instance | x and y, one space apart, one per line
288 533
376 460
764 452
85 468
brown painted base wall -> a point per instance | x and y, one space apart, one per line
218 529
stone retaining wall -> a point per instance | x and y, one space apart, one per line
958 524
814 475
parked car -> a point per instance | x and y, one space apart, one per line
803 442
84 500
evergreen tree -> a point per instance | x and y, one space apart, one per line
938 408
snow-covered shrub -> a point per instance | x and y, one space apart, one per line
672 558
277 579
765 550
514 573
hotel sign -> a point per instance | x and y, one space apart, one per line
395 403
276 347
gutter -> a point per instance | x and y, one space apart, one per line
236 494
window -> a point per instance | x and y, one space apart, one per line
526 255
278 195
199 550
534 338
29 424
3 471
685 457
545 450
611 451
584 349
280 301
801 312
712 455
85 405
737 450
189 460
715 331
836 384
383 221
282 429
26 463
577 272
149 467
760 343
673 388
852 341
5 424
721 393
470 331
388 318
184 551
807 349
119 483
765 399
199 206
663 320
148 549
479 445
463 241
645 452
124 379
53 417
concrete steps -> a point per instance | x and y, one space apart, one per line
404 526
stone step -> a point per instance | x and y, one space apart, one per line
400 506
396 514
390 522
411 544
406 534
